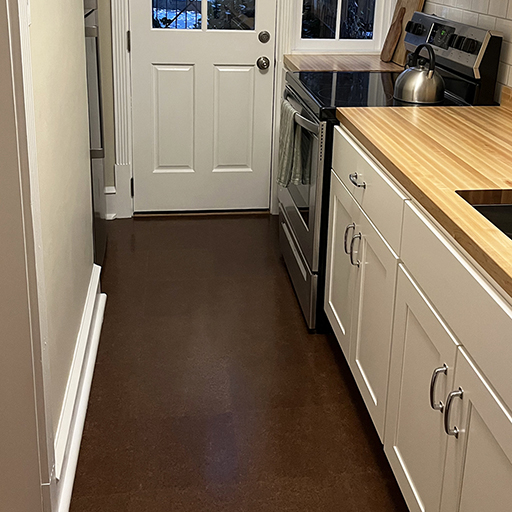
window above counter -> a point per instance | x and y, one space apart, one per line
341 25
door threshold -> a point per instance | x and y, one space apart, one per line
202 213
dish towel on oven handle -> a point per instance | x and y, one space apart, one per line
290 150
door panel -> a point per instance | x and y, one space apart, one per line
415 442
369 359
233 118
341 275
173 114
478 474
202 109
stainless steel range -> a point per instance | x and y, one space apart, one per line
467 58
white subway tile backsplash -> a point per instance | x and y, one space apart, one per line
470 18
505 26
498 8
506 53
481 6
487 22
503 73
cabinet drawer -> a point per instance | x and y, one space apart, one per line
380 199
476 313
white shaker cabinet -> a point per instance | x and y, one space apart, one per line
359 296
422 369
341 274
428 339
365 218
371 342
478 471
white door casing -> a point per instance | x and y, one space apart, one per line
202 114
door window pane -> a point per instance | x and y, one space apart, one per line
184 14
231 14
319 19
357 18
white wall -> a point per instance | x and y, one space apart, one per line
20 482
60 98
489 14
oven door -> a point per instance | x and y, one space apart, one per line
302 203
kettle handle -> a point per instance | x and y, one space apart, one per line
431 56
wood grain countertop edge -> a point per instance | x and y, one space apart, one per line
338 62
492 261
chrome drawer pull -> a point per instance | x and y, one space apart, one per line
345 238
439 406
353 179
354 238
451 431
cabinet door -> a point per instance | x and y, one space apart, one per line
415 442
375 293
478 473
341 275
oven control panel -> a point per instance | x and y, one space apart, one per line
457 46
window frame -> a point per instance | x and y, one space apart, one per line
383 14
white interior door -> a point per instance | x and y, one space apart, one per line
202 108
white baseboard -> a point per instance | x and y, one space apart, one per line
69 431
119 198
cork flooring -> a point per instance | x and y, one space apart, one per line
209 394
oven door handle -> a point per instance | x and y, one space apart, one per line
307 124
301 120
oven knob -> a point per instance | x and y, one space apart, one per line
414 28
470 45
418 29
459 42
451 40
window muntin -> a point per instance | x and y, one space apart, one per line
182 14
338 19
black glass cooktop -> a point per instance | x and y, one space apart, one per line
326 91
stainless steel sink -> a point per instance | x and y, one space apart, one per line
494 205
499 214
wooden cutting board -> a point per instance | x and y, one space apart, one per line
400 54
395 31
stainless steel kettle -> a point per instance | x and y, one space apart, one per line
418 83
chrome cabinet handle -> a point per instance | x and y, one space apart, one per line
351 253
451 431
345 238
353 179
439 406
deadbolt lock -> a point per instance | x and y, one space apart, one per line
264 36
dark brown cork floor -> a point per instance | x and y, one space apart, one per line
209 393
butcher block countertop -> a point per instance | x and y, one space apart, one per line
337 62
434 152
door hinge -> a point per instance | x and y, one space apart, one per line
129 40
131 187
